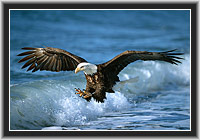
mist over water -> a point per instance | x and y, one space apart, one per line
154 96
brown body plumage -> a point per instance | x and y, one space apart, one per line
100 78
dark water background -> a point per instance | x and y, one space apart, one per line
157 96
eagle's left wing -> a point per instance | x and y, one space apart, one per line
119 62
49 59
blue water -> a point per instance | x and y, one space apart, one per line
156 95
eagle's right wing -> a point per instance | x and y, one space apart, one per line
118 63
50 59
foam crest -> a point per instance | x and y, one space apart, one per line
155 76
78 112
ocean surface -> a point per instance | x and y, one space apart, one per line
154 95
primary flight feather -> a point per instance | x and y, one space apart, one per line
100 78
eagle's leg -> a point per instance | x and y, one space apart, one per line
80 92
87 95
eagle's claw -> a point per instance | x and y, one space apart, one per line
83 93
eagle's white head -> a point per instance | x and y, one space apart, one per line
87 68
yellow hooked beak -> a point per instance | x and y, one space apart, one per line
77 70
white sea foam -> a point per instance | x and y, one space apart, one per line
53 103
154 75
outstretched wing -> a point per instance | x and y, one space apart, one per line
50 59
119 62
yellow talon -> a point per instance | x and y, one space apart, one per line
81 93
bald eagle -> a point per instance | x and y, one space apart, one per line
100 78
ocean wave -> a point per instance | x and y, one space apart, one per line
39 104
45 103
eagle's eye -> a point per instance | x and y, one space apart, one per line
81 67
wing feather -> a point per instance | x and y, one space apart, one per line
41 59
26 53
46 65
28 63
51 63
54 64
26 58
59 66
49 59
31 67
64 63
